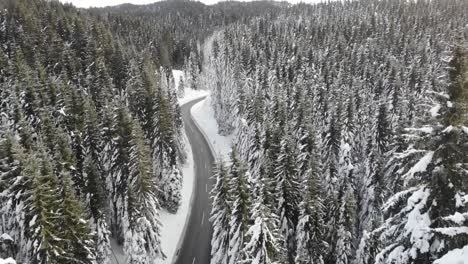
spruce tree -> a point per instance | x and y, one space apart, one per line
141 224
239 183
220 214
264 243
311 247
434 178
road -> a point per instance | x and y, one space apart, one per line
196 247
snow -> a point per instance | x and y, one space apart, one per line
455 256
421 166
7 261
448 129
435 110
174 225
189 93
177 74
5 237
465 129
452 231
203 116
417 225
427 130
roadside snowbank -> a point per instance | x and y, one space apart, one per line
191 94
203 115
173 225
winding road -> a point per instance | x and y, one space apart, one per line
196 246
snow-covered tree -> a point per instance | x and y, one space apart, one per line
264 243
311 247
288 192
220 214
141 224
426 219
239 183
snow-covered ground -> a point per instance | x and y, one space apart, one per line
7 261
203 115
456 256
191 94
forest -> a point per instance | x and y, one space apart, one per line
349 119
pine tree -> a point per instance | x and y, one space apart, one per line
310 228
76 236
288 192
220 214
164 152
118 183
141 221
41 212
264 242
343 249
425 212
239 183
11 187
96 201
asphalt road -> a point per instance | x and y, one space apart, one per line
196 247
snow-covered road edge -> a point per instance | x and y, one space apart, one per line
171 229
202 130
203 117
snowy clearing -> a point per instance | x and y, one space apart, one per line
203 115
189 93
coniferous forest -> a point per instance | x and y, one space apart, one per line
349 119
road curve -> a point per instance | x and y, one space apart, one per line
196 246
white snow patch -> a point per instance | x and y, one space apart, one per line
452 231
203 115
173 225
177 74
455 256
191 95
465 129
421 166
448 129
427 130
435 110
7 261
5 237
417 225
